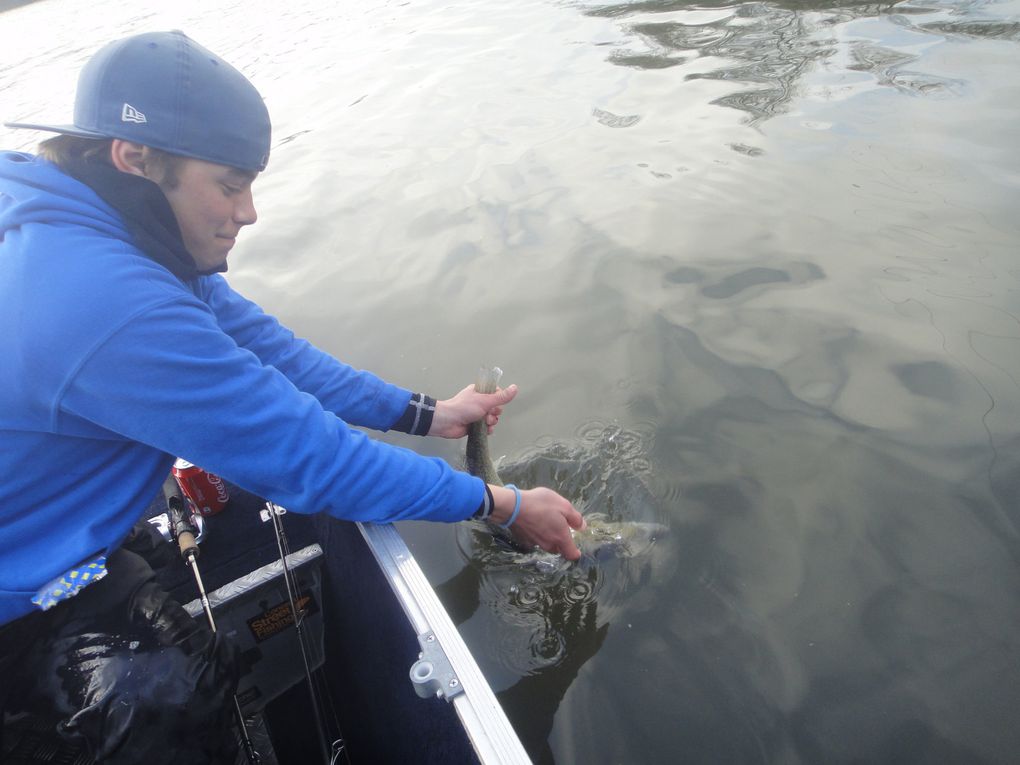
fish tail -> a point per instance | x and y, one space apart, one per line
488 379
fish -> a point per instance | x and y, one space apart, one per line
602 537
479 462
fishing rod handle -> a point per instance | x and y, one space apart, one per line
181 530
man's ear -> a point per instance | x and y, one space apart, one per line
128 157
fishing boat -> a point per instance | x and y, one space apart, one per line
374 670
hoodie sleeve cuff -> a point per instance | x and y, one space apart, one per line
417 418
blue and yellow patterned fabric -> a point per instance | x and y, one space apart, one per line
70 583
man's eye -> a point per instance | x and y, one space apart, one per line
231 189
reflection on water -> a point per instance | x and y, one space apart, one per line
766 46
753 265
988 29
770 46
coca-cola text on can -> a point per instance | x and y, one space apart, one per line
206 491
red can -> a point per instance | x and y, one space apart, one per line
205 491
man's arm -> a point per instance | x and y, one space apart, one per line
363 399
171 379
356 396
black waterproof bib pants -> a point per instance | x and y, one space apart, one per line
123 669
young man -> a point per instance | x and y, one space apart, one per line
122 348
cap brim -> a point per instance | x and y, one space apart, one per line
65 129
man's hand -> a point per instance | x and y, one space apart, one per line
453 415
545 519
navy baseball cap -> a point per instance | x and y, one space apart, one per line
164 90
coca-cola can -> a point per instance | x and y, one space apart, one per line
206 491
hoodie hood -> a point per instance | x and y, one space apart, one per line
33 190
41 192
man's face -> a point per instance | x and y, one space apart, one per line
211 202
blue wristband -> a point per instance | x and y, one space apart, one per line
517 507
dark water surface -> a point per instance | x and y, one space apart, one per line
755 269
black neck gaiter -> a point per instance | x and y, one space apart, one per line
146 212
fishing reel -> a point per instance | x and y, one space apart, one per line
162 524
181 524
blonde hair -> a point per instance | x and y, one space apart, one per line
63 149
66 150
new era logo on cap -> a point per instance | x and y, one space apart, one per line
131 114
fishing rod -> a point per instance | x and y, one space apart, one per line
330 753
183 533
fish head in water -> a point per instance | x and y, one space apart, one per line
602 538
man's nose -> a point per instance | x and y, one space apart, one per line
244 211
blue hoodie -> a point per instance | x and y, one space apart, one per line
110 366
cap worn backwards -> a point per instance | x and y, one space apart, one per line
162 89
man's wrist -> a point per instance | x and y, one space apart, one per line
503 502
437 424
485 509
517 507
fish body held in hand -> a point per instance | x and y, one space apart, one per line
479 462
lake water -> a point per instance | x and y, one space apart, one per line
755 269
